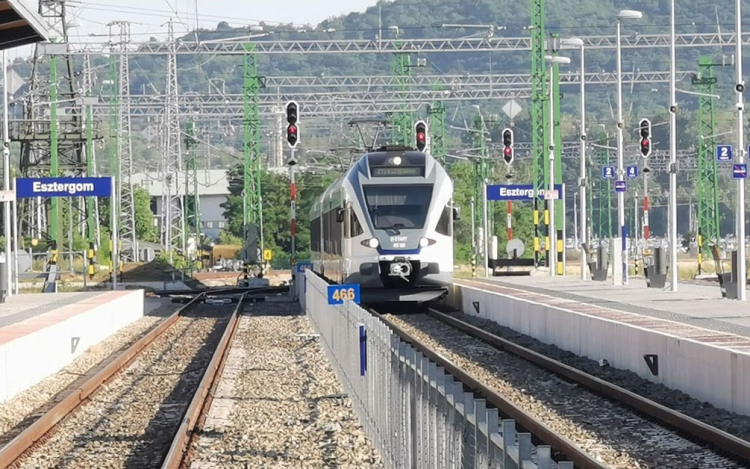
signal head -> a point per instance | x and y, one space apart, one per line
646 147
292 112
292 135
645 126
508 137
421 129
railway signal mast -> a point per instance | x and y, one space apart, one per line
292 139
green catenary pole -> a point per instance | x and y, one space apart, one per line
54 163
539 114
707 178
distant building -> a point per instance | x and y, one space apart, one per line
213 189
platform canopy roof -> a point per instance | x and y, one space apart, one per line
20 25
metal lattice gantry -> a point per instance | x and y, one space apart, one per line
124 165
51 144
357 101
172 209
231 46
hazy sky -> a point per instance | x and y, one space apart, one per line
148 15
90 17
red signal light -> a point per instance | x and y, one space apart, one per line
508 151
421 137
292 129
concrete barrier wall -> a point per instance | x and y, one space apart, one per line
30 358
706 372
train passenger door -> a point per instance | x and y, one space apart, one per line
346 244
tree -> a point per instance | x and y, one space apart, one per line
145 229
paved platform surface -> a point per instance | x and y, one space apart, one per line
694 304
28 305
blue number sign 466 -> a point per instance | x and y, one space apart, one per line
337 294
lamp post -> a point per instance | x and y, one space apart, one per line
552 229
740 88
582 221
673 155
622 15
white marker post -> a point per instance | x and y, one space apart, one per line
113 214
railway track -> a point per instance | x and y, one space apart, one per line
586 420
139 410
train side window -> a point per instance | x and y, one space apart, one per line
356 227
444 225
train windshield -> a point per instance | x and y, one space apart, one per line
398 206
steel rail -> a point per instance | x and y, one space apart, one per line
737 447
27 438
180 443
524 419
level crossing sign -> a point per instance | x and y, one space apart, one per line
723 152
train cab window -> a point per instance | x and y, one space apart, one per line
356 227
444 225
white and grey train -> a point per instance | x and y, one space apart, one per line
387 225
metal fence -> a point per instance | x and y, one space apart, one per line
416 415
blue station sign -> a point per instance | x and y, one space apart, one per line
621 186
63 187
631 171
517 192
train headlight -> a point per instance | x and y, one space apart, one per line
396 161
371 243
424 242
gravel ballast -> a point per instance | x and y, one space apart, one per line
130 421
20 411
737 425
609 432
279 403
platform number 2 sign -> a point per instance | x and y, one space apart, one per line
338 293
723 152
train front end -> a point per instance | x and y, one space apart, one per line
406 246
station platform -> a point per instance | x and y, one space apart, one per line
40 333
691 340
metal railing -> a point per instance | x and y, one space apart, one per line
415 414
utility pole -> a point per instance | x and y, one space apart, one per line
436 111
605 193
401 120
539 117
740 88
481 173
707 177
673 153
192 197
92 217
